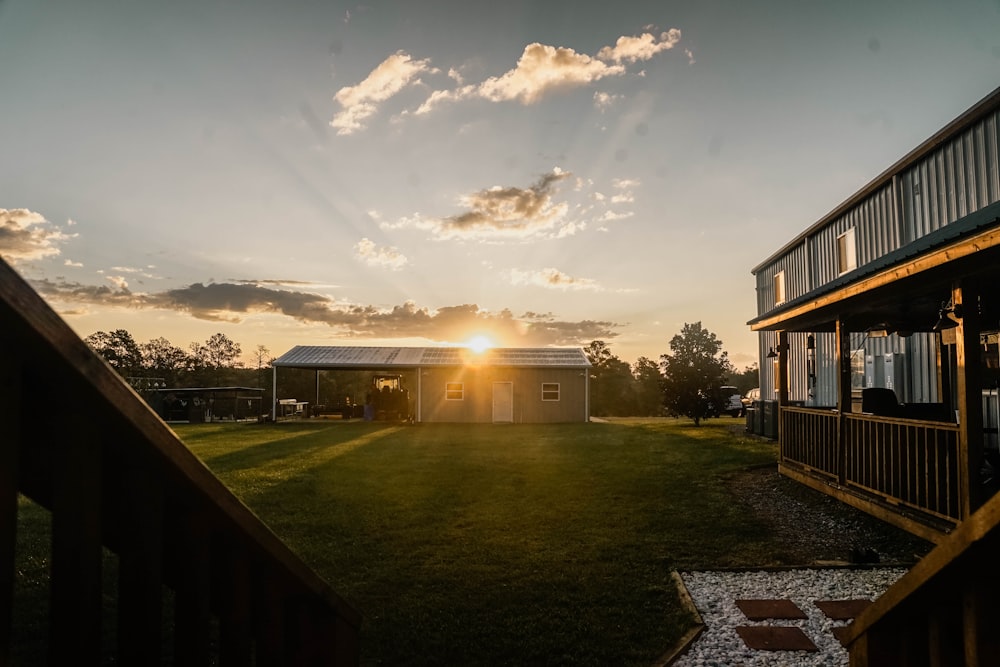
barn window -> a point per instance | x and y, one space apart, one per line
779 288
847 254
454 391
550 391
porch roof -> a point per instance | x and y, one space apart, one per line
904 288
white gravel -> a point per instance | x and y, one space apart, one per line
715 593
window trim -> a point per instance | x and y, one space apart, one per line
779 288
454 391
847 252
557 391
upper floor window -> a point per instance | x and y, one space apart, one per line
454 391
847 255
779 288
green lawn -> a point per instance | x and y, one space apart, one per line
514 544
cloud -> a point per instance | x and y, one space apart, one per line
117 281
234 302
631 49
604 101
362 101
550 278
370 254
26 235
71 263
500 212
540 70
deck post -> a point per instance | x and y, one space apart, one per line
844 398
782 378
970 407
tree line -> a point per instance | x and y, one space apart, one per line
684 382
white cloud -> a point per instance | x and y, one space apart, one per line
604 101
551 278
540 70
362 101
71 263
27 235
631 49
390 258
118 281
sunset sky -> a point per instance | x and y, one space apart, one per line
418 173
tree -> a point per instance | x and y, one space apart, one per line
162 359
119 349
746 379
694 372
611 382
218 354
648 387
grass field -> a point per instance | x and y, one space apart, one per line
513 544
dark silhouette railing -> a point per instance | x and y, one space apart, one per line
944 611
200 579
908 462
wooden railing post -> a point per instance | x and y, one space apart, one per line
844 398
77 552
140 571
191 552
10 445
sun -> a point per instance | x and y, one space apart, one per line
479 344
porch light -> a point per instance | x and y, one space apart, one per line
810 342
945 322
771 354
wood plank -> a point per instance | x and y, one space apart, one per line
10 446
234 606
190 555
140 597
77 553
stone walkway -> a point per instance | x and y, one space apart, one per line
777 618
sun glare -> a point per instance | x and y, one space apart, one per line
479 344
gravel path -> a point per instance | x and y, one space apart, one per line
715 593
813 531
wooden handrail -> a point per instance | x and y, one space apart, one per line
114 476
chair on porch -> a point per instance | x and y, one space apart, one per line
880 401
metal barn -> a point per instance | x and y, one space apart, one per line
456 384
878 335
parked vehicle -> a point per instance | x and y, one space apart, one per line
733 405
751 397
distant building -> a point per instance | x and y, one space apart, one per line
454 384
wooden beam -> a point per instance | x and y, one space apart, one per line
845 400
934 259
968 379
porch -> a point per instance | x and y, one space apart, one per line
918 463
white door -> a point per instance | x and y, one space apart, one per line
503 402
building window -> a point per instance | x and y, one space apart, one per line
454 391
779 288
550 391
847 255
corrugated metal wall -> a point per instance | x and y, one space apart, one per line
956 178
960 177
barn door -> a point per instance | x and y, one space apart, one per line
503 402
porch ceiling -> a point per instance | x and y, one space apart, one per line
904 291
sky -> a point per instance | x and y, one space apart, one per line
550 173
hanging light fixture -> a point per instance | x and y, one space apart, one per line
944 321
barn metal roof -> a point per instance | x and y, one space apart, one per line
344 358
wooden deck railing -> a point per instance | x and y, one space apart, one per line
944 611
200 580
906 462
